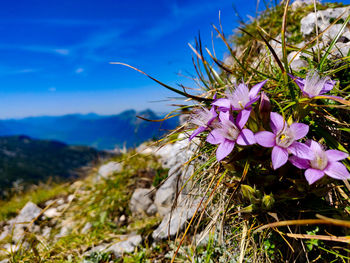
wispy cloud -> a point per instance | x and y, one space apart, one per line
5 70
62 51
79 70
52 89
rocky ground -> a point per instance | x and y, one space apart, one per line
48 221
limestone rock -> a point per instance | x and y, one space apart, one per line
28 213
152 210
173 222
46 232
324 19
51 213
299 3
298 62
165 195
86 228
126 246
107 169
140 201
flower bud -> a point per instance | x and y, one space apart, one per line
268 201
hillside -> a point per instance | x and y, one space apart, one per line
258 173
100 132
24 160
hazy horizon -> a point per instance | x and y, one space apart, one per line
158 113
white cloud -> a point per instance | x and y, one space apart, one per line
79 70
62 51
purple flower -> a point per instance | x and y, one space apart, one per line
202 118
241 98
313 85
227 132
324 162
284 140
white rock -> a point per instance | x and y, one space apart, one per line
60 201
98 248
51 213
297 62
165 195
61 207
341 49
46 232
122 218
66 229
152 210
126 246
10 248
144 148
173 222
70 198
86 228
6 231
324 19
299 3
140 201
108 169
29 212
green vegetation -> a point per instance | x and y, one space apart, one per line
25 161
100 203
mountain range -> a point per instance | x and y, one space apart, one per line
98 131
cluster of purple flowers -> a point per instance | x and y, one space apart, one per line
226 132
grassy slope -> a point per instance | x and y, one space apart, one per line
101 203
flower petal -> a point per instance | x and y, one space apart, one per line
224 149
253 93
301 150
299 81
277 122
246 137
300 163
242 118
222 103
314 146
312 175
265 138
214 115
337 170
215 137
335 155
328 86
197 131
279 157
247 106
299 130
225 117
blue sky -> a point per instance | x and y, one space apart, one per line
54 55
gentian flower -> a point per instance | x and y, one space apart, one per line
313 85
283 139
324 162
202 118
241 99
227 133
264 108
